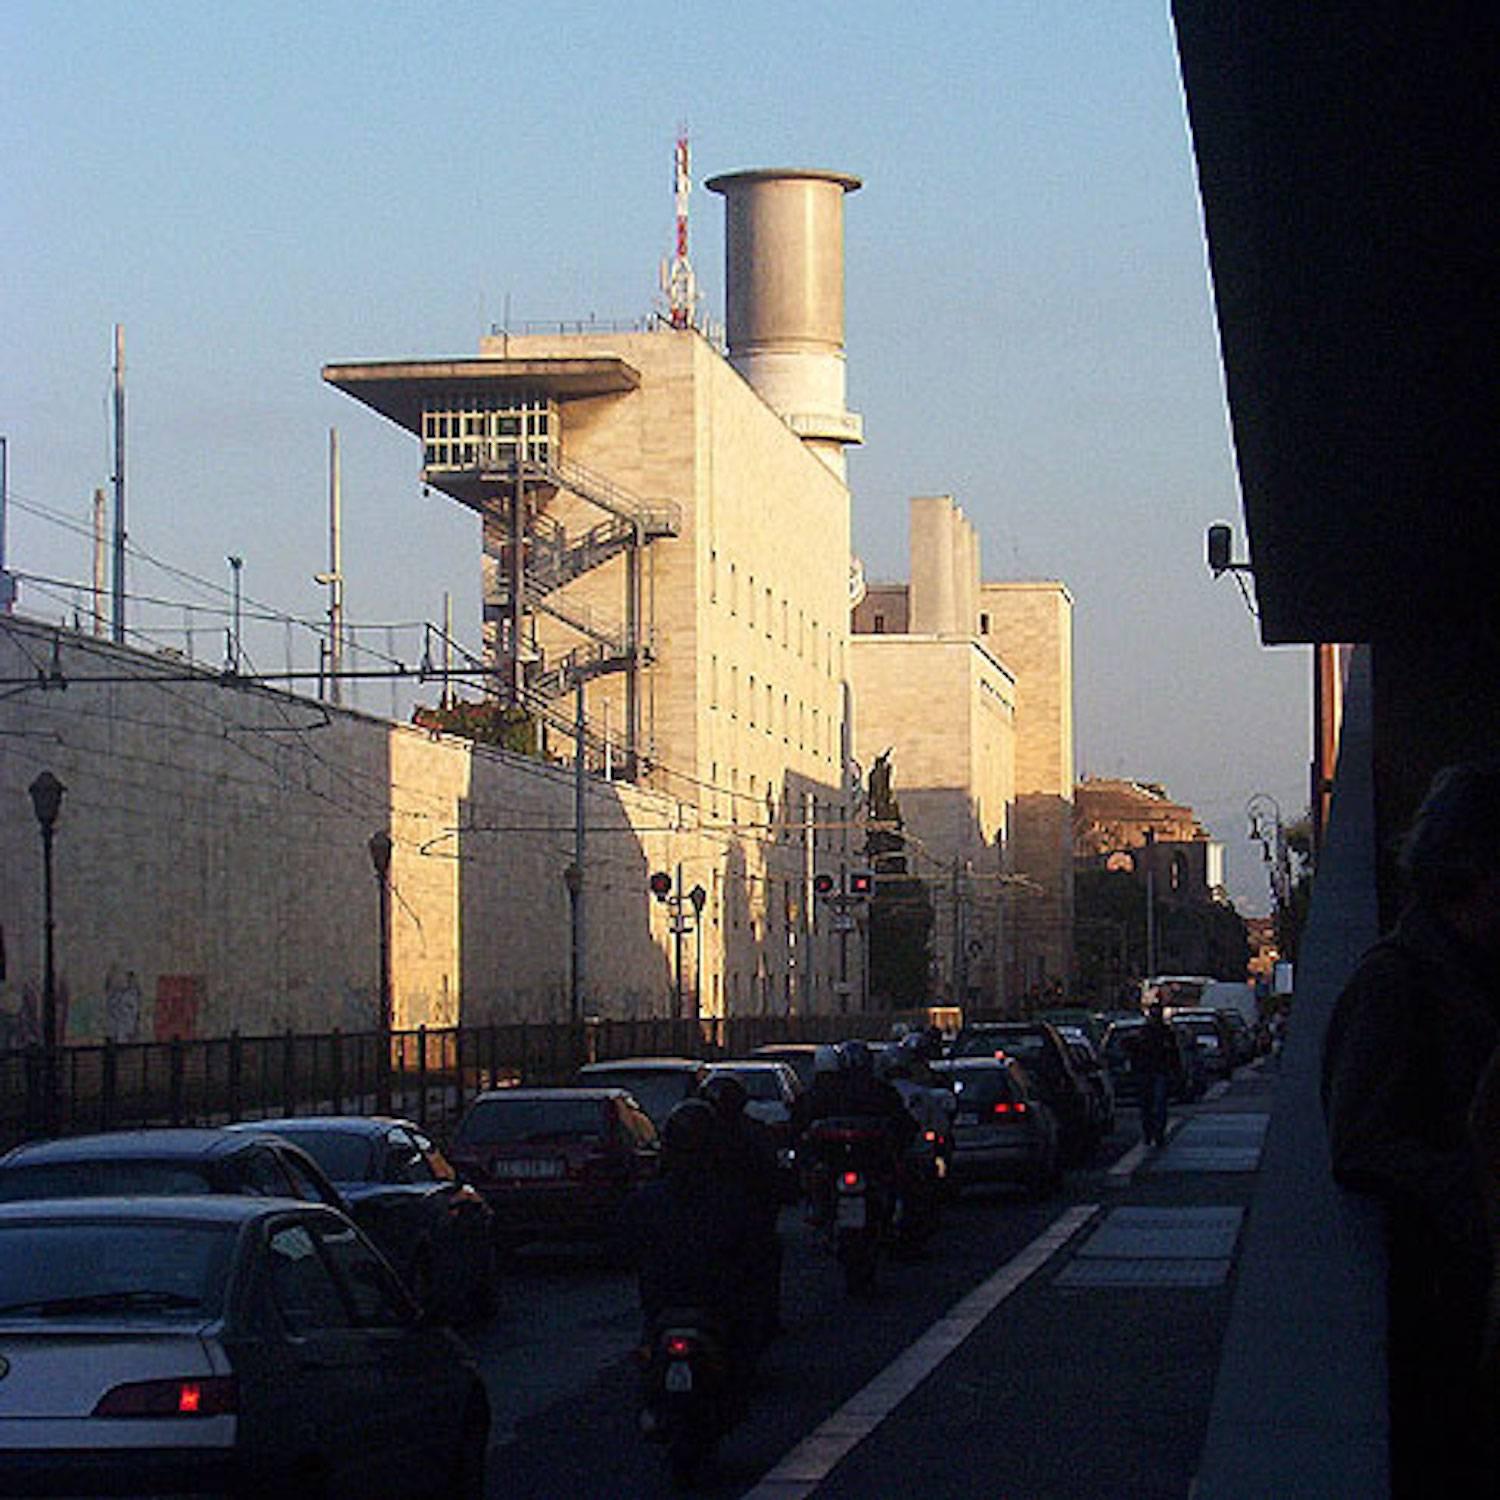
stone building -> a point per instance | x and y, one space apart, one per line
970 684
667 538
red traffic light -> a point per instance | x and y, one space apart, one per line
862 884
823 885
661 884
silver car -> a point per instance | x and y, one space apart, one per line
213 1345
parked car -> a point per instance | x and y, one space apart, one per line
1091 1022
1244 1046
436 1229
658 1084
228 1344
798 1056
157 1163
1090 1064
555 1164
1215 1040
1050 1066
1003 1130
1191 1078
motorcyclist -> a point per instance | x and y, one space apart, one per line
745 1156
692 1235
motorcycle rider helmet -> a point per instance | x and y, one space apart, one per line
826 1059
690 1131
726 1095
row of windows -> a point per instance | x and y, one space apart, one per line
466 432
763 611
815 731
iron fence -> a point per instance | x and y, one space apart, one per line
433 1071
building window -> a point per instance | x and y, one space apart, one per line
750 600
713 575
486 432
786 719
783 624
713 682
879 624
984 624
750 702
734 590
770 615
734 692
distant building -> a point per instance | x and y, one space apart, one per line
970 685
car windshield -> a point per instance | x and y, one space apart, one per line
657 1092
980 1088
527 1122
760 1083
987 1043
343 1155
103 1178
114 1270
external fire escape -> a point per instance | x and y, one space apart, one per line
505 463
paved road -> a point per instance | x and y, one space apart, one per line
1082 1367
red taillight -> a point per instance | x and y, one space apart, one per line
1005 1107
849 1181
210 1396
929 1135
679 1347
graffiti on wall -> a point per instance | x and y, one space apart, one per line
179 997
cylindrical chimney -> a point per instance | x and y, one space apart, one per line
784 273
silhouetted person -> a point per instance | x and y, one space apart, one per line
1410 1036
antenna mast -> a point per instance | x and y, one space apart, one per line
678 281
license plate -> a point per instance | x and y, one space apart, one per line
851 1213
528 1167
679 1376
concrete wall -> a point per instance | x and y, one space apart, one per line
1030 628
212 868
947 708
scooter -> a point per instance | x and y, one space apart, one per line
692 1390
854 1193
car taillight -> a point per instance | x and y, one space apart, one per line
207 1396
1005 1107
849 1181
679 1347
929 1135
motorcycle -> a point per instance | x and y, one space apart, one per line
854 1193
692 1390
925 1181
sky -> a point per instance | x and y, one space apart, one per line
253 191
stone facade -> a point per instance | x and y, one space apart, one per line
212 870
996 798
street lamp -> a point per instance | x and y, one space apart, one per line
380 858
1261 809
46 800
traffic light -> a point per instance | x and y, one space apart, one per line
823 885
661 884
861 884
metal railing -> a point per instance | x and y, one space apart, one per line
433 1071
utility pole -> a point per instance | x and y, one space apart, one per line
7 583
119 482
808 914
677 934
101 565
235 564
334 577
574 874
1150 847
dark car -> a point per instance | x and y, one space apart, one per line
658 1084
1215 1040
1090 1064
798 1056
154 1163
433 1227
1002 1131
1050 1066
229 1344
1190 1081
555 1164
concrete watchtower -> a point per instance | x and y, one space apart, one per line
784 270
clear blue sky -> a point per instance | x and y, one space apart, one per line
254 190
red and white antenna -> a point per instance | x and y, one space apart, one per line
678 281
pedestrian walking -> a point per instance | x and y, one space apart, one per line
1157 1060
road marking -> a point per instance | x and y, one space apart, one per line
813 1459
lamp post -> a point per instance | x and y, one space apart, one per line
380 858
696 898
1261 809
46 800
